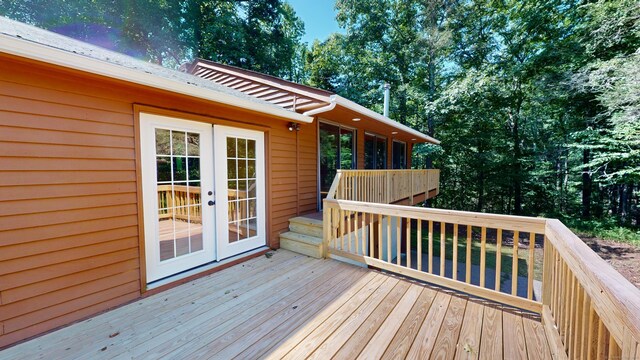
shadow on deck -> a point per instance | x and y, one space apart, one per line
293 306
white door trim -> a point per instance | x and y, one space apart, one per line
156 269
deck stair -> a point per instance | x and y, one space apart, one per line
304 236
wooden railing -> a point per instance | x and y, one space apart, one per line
180 201
588 309
177 202
384 186
592 310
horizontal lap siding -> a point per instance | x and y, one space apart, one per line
308 171
284 199
68 205
293 176
68 195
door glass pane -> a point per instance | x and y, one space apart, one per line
163 167
346 149
399 155
193 144
337 151
179 193
178 143
163 142
241 187
329 135
381 153
179 168
369 151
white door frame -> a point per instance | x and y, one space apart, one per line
156 269
226 249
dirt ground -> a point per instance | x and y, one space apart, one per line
624 258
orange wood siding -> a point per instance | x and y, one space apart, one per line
69 235
68 211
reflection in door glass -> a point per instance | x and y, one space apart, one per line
241 188
179 197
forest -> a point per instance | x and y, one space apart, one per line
537 102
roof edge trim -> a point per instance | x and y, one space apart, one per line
381 118
43 53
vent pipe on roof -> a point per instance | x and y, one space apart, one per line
387 87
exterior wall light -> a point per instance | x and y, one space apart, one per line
294 126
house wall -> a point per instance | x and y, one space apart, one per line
69 212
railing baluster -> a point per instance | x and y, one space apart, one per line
363 237
577 322
389 239
419 244
349 230
498 258
342 247
532 247
593 333
563 300
355 233
514 269
614 349
379 236
443 240
398 239
557 293
371 238
603 341
483 255
573 322
430 247
454 270
584 328
468 258
408 240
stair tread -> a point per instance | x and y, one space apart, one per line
301 238
306 221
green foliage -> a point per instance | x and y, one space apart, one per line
261 35
607 229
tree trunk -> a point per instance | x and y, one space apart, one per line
586 186
517 168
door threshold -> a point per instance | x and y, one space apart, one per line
202 269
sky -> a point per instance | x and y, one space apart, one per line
319 18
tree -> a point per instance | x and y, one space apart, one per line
261 35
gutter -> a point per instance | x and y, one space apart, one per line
50 55
323 109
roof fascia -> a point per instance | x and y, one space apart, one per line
346 103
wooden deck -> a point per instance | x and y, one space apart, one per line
292 306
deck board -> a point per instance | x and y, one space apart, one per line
292 306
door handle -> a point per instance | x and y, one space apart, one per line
211 203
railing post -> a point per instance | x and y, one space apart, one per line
327 229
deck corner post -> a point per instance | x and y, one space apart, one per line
327 229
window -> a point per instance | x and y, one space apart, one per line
399 155
337 151
375 152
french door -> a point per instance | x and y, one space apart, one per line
240 189
190 221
